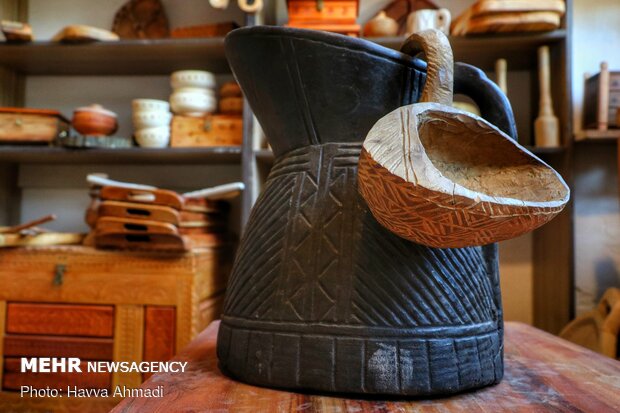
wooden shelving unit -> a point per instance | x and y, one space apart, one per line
483 50
553 249
48 154
597 135
125 57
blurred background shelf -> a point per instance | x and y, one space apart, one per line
484 50
124 57
47 154
597 135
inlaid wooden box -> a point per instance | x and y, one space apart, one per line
100 306
19 125
211 130
338 16
592 100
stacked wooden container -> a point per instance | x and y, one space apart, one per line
100 306
153 219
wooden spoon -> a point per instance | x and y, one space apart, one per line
445 178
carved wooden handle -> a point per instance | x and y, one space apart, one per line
440 69
546 104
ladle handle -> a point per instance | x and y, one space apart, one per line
440 64
493 104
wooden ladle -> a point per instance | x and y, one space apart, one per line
445 178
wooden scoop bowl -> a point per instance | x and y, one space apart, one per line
445 178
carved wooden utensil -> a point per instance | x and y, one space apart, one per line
546 126
444 178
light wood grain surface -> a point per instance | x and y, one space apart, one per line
543 373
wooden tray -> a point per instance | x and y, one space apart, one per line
506 22
43 239
153 197
136 211
114 225
502 6
144 242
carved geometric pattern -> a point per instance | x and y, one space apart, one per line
451 218
128 342
313 252
383 365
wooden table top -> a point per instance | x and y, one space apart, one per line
543 373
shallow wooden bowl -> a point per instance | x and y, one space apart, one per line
454 180
446 178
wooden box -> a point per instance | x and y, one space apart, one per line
212 130
97 305
18 125
591 101
337 16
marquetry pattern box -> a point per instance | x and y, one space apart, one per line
100 306
338 16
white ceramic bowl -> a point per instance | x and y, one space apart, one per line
151 119
153 137
141 105
192 78
192 103
209 92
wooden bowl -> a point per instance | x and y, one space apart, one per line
231 105
94 120
445 178
230 90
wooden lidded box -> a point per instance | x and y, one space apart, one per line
211 130
19 125
592 94
75 301
338 16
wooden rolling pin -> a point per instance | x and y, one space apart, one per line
546 126
501 68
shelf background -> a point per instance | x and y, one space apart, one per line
538 264
49 75
125 57
163 156
483 50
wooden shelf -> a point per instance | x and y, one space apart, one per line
125 57
483 50
598 135
47 154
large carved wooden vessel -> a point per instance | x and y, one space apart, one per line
323 297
